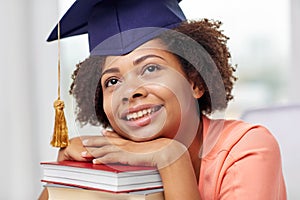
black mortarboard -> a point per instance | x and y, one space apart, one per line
131 22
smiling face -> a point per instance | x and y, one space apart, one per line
146 94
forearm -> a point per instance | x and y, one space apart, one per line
179 179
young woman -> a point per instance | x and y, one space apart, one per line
156 100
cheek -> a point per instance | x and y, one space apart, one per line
174 100
107 106
111 103
176 92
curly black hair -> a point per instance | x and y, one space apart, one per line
200 46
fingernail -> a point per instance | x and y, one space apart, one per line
95 161
85 142
104 132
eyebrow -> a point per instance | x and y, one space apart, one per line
141 59
135 62
110 70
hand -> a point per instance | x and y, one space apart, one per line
111 148
73 151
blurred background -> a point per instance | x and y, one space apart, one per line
264 43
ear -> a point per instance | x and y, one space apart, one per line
197 91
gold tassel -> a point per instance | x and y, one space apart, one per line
60 135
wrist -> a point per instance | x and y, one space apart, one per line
169 154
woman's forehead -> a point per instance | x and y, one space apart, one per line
154 45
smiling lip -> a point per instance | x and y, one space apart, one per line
140 115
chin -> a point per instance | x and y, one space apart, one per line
141 138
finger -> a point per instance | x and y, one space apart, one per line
87 155
123 158
94 141
104 150
108 158
72 151
99 141
71 155
108 133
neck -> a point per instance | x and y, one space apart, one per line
194 150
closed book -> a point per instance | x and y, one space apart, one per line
59 192
113 177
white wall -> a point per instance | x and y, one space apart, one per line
27 85
294 71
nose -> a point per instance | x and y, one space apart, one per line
133 94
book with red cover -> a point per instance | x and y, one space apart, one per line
113 177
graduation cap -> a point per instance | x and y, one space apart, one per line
116 27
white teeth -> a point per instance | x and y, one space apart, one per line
139 114
134 115
129 116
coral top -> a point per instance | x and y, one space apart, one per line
240 161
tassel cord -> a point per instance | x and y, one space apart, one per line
60 135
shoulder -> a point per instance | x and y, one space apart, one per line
236 153
235 136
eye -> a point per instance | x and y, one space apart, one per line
151 69
111 82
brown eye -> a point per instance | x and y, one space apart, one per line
110 82
151 69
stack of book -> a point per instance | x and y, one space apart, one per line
84 180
